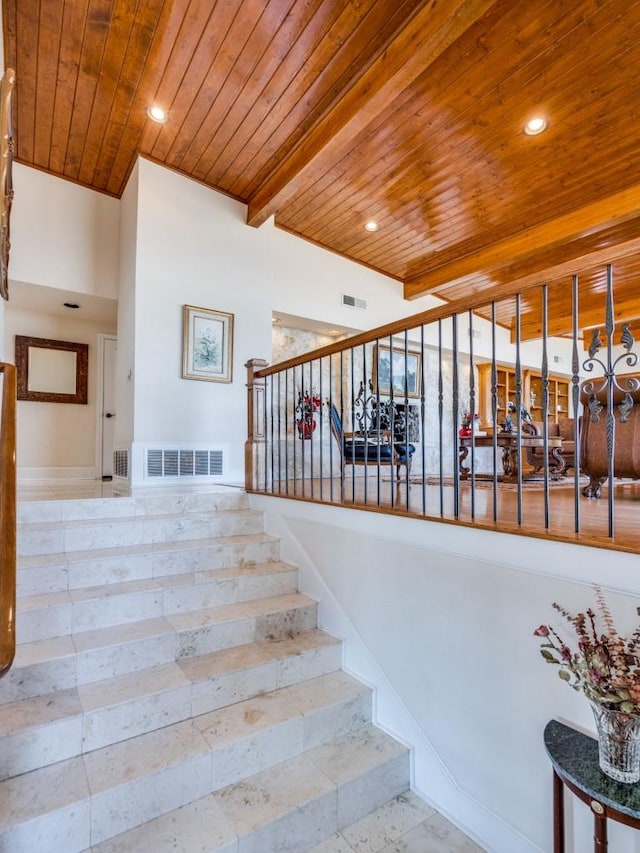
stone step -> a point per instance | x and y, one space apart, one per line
60 663
57 572
126 506
42 730
71 536
287 808
120 787
54 614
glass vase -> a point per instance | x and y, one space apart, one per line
618 743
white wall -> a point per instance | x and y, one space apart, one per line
56 439
63 235
440 618
193 247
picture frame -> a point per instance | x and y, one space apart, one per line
386 360
207 344
51 371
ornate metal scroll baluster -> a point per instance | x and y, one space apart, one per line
609 384
545 399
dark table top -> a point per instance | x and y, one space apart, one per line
575 756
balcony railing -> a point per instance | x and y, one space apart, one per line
510 415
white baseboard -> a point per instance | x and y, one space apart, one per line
56 473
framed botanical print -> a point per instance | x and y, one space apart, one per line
207 344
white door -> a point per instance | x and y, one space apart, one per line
109 350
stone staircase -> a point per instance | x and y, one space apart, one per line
171 689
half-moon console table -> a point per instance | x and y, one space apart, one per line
574 757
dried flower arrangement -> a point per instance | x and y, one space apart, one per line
606 666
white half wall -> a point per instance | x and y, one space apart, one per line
439 619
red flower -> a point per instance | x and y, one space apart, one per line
542 631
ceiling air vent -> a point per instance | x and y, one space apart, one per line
353 301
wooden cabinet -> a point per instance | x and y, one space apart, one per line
559 393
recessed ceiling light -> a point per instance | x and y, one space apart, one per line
535 126
371 225
71 305
157 114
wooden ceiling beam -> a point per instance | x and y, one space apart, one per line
412 48
609 211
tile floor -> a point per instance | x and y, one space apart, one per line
405 825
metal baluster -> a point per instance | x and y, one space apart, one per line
342 450
321 430
353 427
265 433
279 435
286 431
545 423
312 422
331 403
575 399
518 457
406 418
273 444
494 410
472 413
295 437
392 419
365 423
610 418
378 416
441 421
455 417
422 421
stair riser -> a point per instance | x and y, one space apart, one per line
121 568
48 743
35 541
270 626
125 507
77 616
133 803
229 688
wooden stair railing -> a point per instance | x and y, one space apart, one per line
8 534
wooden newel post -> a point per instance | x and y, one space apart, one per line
255 421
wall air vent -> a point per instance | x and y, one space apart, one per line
184 463
121 464
353 301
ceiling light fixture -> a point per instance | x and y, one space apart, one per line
157 114
371 226
535 126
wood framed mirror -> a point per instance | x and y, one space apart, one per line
51 371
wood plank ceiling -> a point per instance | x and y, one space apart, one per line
327 114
